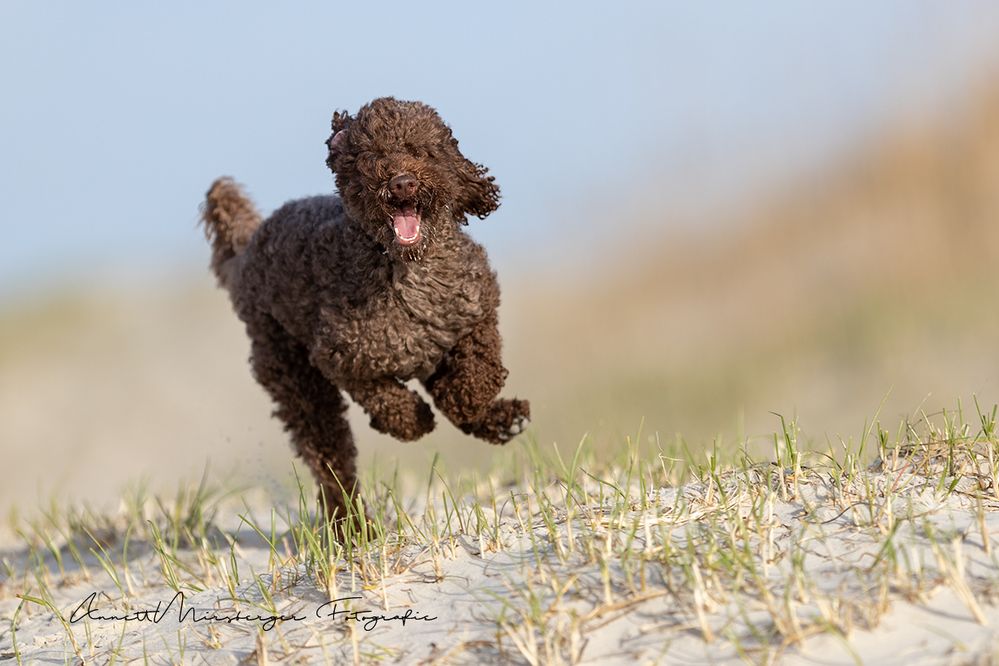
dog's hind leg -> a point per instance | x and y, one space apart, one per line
313 412
466 384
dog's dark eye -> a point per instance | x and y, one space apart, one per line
418 151
372 166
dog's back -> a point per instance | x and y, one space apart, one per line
294 258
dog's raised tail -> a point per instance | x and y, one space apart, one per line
230 219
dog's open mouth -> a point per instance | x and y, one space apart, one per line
406 224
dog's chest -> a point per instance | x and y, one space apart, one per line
405 328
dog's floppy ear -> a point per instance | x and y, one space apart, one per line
478 194
334 144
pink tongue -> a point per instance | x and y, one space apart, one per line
406 223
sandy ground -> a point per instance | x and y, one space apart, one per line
889 567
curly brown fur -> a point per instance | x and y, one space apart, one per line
367 290
468 381
230 220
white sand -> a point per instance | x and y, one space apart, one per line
830 585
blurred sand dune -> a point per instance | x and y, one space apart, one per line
873 276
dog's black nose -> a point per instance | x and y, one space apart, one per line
403 186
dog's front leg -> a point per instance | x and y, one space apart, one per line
467 383
394 409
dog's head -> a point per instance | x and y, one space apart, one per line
401 175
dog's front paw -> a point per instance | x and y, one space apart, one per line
406 421
504 420
424 419
518 426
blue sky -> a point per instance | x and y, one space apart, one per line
590 114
